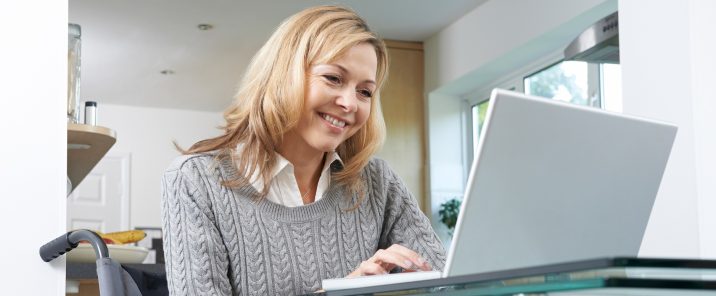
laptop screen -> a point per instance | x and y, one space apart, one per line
554 182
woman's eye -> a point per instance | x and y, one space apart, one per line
365 93
332 79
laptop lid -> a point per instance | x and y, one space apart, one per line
555 182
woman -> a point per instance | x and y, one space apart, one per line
289 194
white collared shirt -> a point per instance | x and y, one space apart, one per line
284 189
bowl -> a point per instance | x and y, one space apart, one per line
126 254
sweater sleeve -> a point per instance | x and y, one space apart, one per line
406 225
196 259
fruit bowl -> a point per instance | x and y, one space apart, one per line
126 254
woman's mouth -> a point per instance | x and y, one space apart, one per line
333 121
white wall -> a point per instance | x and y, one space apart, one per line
147 134
671 81
445 170
703 75
33 92
504 35
496 38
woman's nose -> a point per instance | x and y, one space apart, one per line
347 100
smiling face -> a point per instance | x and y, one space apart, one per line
337 101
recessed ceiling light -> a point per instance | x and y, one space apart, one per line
205 27
167 72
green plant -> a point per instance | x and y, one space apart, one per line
449 210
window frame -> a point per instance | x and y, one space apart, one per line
515 81
511 81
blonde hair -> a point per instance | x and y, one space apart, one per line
271 96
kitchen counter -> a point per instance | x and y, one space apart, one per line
83 271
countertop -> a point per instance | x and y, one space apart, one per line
82 271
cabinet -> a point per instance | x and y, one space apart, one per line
86 145
402 103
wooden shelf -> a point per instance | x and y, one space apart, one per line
86 145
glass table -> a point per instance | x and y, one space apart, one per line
607 276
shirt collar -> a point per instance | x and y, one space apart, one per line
283 163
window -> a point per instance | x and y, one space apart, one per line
582 83
479 111
568 81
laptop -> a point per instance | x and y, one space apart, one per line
551 182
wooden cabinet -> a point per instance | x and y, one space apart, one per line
86 145
402 101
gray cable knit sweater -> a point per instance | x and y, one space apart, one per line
220 241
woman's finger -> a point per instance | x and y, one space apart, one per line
419 262
385 260
368 268
390 259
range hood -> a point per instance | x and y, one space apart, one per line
597 44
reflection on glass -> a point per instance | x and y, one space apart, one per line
565 81
664 278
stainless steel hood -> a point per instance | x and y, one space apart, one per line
598 43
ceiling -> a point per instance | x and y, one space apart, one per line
127 44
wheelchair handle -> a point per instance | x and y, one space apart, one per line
68 241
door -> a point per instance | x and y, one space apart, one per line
101 201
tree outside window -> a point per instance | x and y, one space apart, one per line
566 81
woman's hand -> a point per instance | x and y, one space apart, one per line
385 260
